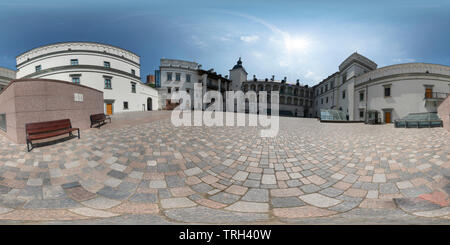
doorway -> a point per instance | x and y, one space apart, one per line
149 104
109 109
387 117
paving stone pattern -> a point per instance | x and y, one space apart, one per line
147 166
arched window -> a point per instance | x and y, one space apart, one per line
245 87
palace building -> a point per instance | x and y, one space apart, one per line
294 99
362 91
179 75
112 70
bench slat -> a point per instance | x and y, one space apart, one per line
51 134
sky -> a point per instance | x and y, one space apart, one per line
304 40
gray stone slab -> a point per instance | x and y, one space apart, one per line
52 204
144 198
256 195
286 202
225 198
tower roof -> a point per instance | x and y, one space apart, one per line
239 65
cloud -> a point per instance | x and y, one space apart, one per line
197 41
250 38
404 60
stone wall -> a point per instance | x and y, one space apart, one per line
37 100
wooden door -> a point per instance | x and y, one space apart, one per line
387 117
109 109
428 93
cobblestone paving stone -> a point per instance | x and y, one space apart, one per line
311 172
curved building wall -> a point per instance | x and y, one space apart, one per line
407 84
119 78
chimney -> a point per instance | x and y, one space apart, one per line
273 78
285 79
266 79
254 78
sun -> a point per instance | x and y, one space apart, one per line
296 43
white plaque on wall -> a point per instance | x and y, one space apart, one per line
78 97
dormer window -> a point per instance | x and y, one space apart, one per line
74 62
106 64
38 68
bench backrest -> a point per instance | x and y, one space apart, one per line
96 117
41 127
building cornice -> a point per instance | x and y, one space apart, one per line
393 76
77 42
77 51
277 83
76 67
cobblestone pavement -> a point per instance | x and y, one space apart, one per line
152 172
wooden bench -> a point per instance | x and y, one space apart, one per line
44 130
99 119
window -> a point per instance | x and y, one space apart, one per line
344 77
326 87
327 100
133 72
387 91
321 90
169 76
176 89
108 83
169 90
343 94
133 87
321 101
125 105
106 64
361 114
188 78
361 96
177 77
76 80
74 62
38 68
187 91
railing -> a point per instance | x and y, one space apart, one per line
435 95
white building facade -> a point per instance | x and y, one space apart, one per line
110 69
180 75
6 75
362 91
294 99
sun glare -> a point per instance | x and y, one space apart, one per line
296 43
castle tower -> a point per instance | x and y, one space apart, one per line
238 75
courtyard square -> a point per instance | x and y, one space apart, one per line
140 169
